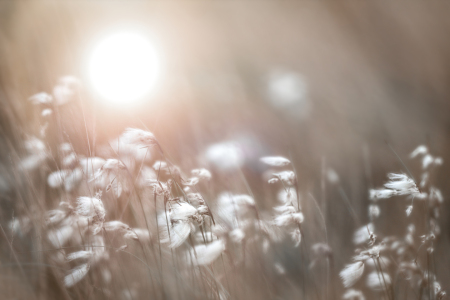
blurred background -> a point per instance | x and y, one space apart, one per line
325 84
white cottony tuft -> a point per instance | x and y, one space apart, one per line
56 179
46 112
58 237
285 209
115 226
90 207
420 150
289 219
175 234
70 160
378 281
54 216
427 160
279 268
362 234
288 177
438 161
160 165
409 210
91 164
206 254
401 184
424 179
66 89
202 173
374 211
296 237
109 166
352 273
73 179
276 161
352 294
332 176
225 155
232 206
182 211
79 255
138 234
38 152
237 235
41 98
288 196
322 250
76 275
191 181
381 194
113 164
139 137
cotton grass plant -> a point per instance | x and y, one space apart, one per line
129 223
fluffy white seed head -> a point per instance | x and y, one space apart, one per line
285 209
363 234
140 234
54 216
90 207
174 233
401 184
66 89
56 179
375 194
275 161
237 235
352 294
225 155
91 164
409 210
384 261
427 160
288 177
279 268
70 160
76 275
41 98
206 254
115 226
352 273
58 237
113 164
182 211
46 112
160 165
233 207
376 280
288 196
73 179
289 219
139 137
79 255
191 181
420 150
296 236
34 145
374 211
438 161
201 173
332 176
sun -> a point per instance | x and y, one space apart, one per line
123 67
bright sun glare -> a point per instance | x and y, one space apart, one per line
124 67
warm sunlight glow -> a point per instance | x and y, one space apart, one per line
123 67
